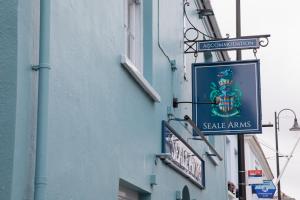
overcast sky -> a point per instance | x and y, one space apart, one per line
280 67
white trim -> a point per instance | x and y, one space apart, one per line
133 28
136 74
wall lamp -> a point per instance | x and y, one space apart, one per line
205 12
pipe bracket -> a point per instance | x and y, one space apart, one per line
42 65
41 180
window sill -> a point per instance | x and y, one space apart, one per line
139 78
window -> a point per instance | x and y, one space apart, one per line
138 42
133 32
185 193
127 194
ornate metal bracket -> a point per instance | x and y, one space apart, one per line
192 45
192 37
192 34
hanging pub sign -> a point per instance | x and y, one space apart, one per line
183 158
235 89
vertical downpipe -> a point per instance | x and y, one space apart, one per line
40 181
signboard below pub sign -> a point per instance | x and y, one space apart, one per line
235 87
255 176
182 155
265 190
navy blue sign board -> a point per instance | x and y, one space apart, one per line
187 161
265 190
227 44
235 86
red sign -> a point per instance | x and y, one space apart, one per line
255 173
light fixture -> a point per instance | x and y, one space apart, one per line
205 12
295 126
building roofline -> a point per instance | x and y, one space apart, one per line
257 145
213 25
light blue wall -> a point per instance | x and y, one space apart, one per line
24 152
17 97
102 126
8 87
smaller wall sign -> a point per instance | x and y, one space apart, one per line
228 44
255 173
183 155
255 176
265 190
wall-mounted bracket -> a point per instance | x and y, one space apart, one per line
173 65
200 133
38 67
210 154
176 102
194 138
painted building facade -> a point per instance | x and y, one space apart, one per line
255 160
115 68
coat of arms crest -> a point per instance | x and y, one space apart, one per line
227 94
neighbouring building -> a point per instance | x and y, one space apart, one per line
115 68
255 160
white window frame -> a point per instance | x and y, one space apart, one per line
133 29
127 64
132 57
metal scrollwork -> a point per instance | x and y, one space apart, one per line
192 34
193 28
254 53
192 37
264 41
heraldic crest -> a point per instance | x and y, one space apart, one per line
227 94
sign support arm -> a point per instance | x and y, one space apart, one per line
199 133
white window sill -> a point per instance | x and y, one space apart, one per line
139 78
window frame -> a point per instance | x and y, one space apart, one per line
133 32
126 193
140 72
